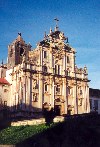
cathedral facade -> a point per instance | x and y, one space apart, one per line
46 77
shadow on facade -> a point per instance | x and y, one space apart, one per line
25 112
17 113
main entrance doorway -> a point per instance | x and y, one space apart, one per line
57 110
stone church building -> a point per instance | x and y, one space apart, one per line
46 77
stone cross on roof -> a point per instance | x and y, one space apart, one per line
56 20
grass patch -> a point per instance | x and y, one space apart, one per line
16 134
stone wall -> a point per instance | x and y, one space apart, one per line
36 121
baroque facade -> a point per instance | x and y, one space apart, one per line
46 77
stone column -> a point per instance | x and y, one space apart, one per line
75 98
51 62
19 90
53 92
31 91
73 63
88 102
24 90
41 58
63 65
28 91
41 89
85 102
82 107
65 95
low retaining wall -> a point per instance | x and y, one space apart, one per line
36 121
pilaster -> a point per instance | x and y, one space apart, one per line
41 91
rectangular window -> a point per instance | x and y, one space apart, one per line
55 69
46 87
68 60
58 69
96 104
58 88
5 103
45 54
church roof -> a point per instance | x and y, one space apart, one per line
4 81
19 39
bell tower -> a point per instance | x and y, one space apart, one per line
16 50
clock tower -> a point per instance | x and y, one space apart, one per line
16 50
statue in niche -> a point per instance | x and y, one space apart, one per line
35 85
35 97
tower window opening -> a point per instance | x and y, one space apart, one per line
21 51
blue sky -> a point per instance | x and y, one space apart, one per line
78 19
